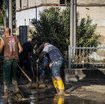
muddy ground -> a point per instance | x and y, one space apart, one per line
80 93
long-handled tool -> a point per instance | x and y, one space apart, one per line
22 72
25 74
37 79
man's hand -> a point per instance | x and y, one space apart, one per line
20 47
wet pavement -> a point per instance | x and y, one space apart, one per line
54 100
81 95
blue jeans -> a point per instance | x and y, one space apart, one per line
44 65
56 67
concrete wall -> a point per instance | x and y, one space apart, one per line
91 2
24 4
53 1
97 14
17 5
31 3
96 10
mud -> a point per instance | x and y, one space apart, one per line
54 100
81 95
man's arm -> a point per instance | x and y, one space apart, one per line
1 45
37 51
42 55
20 47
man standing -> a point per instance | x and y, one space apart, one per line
11 47
56 61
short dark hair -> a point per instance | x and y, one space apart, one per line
9 30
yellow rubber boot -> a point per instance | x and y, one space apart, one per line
55 85
60 100
55 100
60 87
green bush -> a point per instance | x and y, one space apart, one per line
1 19
54 26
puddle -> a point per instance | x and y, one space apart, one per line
43 97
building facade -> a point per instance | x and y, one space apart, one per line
96 10
26 10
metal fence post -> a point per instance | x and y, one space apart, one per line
7 13
69 57
67 75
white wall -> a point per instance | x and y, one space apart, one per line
97 14
27 15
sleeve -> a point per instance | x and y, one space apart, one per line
16 39
45 49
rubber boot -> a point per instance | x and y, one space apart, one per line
55 100
55 85
29 85
16 89
42 86
5 91
58 100
61 88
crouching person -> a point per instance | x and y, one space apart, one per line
56 61
11 47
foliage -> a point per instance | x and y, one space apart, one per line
50 28
86 33
1 20
54 25
3 10
2 6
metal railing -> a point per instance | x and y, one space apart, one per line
85 56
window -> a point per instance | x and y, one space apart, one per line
64 1
68 1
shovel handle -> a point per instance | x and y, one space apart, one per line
25 73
